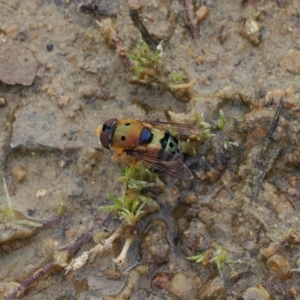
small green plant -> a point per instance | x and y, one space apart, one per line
148 68
62 206
7 212
176 78
215 254
222 120
131 206
11 216
147 65
138 177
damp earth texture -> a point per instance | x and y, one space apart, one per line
230 67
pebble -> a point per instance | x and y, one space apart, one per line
2 102
49 47
271 249
17 64
290 62
160 281
195 237
280 266
213 289
293 292
155 247
251 30
10 30
63 101
258 292
112 274
184 286
42 192
202 13
19 173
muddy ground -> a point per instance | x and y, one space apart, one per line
61 78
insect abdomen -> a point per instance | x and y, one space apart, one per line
167 142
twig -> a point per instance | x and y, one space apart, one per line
145 34
24 285
69 251
193 24
262 161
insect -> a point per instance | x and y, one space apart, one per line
105 8
153 143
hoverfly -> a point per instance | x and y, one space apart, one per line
153 143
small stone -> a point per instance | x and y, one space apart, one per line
10 30
112 274
8 288
184 286
155 247
190 199
17 64
50 27
160 281
251 30
42 192
134 4
212 175
63 101
49 47
267 252
213 289
258 292
19 173
291 90
292 292
273 97
49 66
202 13
195 237
280 266
275 286
290 62
2 102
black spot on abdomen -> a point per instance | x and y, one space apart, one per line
164 140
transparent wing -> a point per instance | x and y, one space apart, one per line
175 128
163 161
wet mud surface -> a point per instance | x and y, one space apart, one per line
237 221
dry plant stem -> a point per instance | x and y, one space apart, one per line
276 119
139 24
25 284
182 85
121 258
267 163
103 248
193 24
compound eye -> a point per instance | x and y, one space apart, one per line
106 134
104 139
